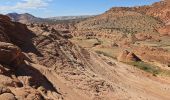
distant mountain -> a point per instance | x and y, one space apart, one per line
70 17
24 18
28 18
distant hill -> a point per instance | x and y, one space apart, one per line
142 19
28 18
24 18
70 17
121 20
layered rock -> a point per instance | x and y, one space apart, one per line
46 56
14 40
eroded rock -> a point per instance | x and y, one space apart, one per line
126 56
7 96
8 52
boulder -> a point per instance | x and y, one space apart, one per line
4 89
7 96
8 52
126 56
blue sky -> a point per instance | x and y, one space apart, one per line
50 8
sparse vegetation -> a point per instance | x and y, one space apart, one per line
146 67
154 70
129 24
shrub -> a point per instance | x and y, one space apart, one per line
147 67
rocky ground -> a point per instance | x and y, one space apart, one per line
97 59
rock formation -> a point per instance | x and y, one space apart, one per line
126 56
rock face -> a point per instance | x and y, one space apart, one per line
126 56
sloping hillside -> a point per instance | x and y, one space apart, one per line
128 28
128 22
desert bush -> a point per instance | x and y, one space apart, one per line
146 67
154 70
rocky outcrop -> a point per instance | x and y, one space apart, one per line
126 56
164 31
152 54
8 53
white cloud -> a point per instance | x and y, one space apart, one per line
26 5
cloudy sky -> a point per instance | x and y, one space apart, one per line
49 8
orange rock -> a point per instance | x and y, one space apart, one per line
8 52
126 56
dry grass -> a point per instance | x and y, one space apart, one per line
103 46
110 52
86 43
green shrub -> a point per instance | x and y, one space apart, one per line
147 67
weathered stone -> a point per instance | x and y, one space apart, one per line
7 96
8 52
126 56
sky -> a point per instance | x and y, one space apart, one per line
52 8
